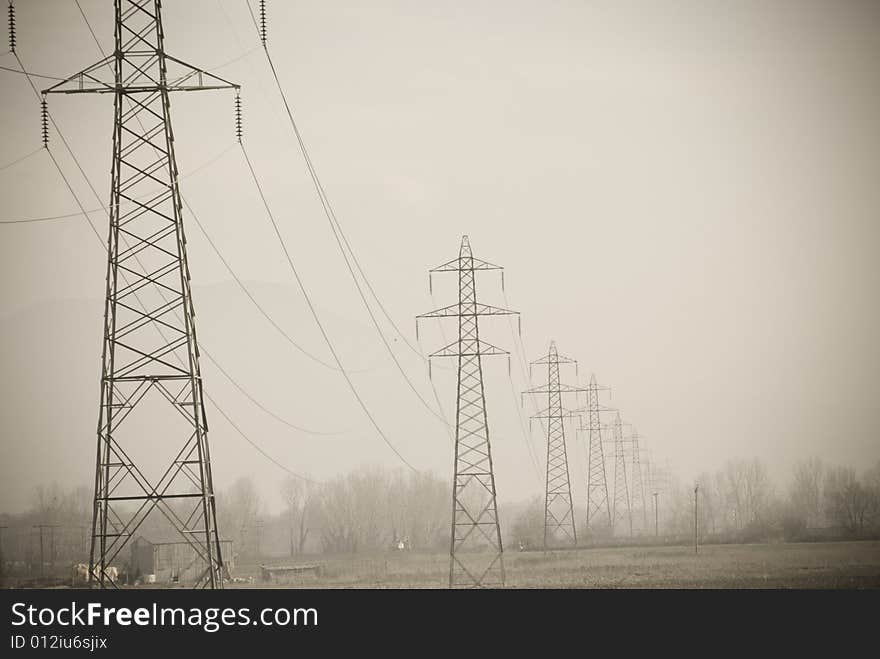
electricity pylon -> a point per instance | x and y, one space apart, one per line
476 555
638 492
621 485
658 482
598 503
150 354
558 505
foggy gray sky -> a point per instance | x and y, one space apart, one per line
684 196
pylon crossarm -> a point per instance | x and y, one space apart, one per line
546 414
562 388
218 82
85 77
480 349
478 309
558 359
87 82
457 265
600 408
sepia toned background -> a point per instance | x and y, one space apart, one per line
684 196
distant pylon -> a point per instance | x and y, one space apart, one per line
558 506
658 480
476 554
622 503
150 355
598 503
638 492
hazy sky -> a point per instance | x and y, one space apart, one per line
684 196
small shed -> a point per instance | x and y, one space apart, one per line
291 573
171 562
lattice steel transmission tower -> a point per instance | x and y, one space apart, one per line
622 502
658 480
150 354
598 502
558 505
638 491
476 554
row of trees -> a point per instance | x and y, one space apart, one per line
740 499
373 509
369 509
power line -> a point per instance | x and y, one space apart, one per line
214 247
339 235
241 284
257 402
100 240
521 425
254 444
22 158
253 299
103 208
29 74
315 314
520 351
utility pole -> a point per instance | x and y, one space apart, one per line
150 348
656 517
476 554
2 560
558 505
51 528
259 527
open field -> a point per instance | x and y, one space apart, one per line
790 565
780 565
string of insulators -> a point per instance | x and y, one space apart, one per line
263 21
238 117
11 26
44 120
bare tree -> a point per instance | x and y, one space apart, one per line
747 491
238 508
872 483
431 515
528 527
806 491
848 502
709 503
371 509
300 498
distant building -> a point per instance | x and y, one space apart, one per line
171 562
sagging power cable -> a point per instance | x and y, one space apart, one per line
316 317
341 240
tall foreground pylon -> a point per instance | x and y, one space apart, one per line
150 354
476 554
560 527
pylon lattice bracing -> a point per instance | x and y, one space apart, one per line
638 492
476 552
598 501
560 527
150 354
622 503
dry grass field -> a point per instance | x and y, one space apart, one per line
783 565
780 565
